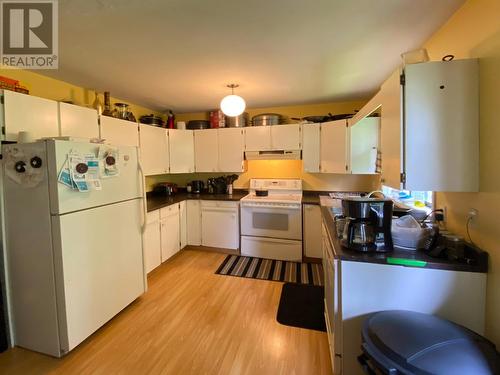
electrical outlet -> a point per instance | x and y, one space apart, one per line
473 213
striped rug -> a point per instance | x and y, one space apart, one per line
275 270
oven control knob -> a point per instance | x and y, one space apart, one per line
20 167
36 162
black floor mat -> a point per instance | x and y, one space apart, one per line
302 306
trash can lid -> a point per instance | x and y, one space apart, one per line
418 342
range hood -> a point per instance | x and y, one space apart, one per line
273 155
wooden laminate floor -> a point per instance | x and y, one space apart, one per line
191 321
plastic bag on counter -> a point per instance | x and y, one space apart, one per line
407 233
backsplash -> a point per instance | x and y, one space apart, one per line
280 169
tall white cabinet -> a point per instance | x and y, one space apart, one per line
154 146
334 147
119 132
206 150
363 145
231 149
193 209
32 114
441 126
312 231
169 231
152 241
311 143
76 121
181 151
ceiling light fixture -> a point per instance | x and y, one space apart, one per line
232 105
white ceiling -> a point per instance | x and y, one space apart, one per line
180 54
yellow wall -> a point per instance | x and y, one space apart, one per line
474 31
290 111
285 168
281 169
49 88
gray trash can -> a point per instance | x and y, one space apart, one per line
406 342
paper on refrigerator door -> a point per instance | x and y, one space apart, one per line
108 158
81 173
78 169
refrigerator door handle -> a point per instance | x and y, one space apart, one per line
144 202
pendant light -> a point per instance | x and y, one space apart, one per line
232 105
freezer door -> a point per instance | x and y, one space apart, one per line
99 267
126 185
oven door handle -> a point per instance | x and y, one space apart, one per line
267 206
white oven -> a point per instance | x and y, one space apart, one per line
274 220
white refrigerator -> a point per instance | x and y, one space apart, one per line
74 258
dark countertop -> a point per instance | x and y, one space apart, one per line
156 201
480 263
312 197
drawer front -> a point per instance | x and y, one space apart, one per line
221 204
169 210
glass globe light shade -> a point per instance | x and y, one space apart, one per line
232 105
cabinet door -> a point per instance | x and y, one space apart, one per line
181 144
170 242
364 141
220 224
231 149
31 114
76 121
206 147
312 231
286 137
183 224
442 126
193 223
311 147
258 138
334 147
152 242
154 149
119 132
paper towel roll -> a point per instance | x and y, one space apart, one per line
25 137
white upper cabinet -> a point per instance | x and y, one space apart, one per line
311 147
181 143
28 113
334 150
364 143
441 126
275 137
231 149
285 137
119 132
154 149
258 138
206 150
76 121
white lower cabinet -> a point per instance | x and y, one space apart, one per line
183 224
170 231
220 224
312 231
193 222
152 241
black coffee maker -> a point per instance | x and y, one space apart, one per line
368 224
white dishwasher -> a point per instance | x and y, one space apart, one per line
220 224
